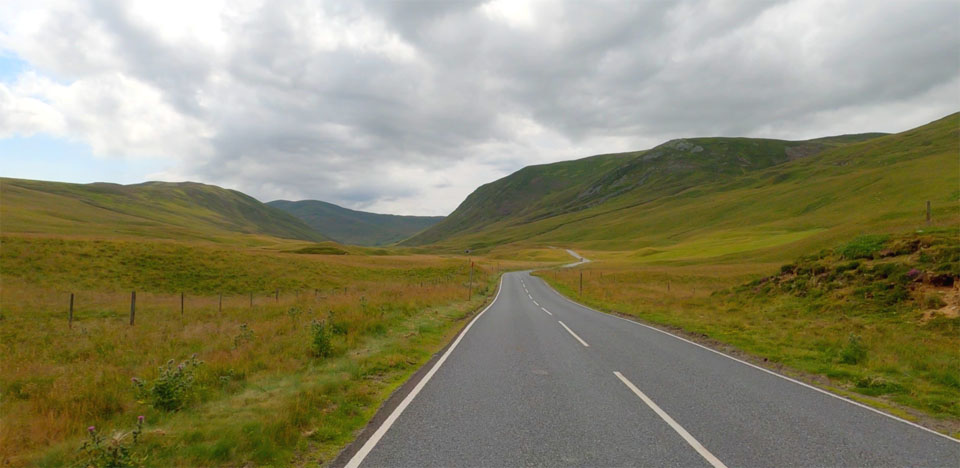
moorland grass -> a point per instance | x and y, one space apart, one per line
262 395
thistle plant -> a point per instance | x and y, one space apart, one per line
320 345
246 335
116 452
172 388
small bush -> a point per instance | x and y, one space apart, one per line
246 335
849 266
863 247
853 351
98 452
173 388
320 345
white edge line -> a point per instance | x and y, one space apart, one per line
369 445
803 384
584 343
709 457
545 310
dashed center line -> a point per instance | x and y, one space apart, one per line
545 310
584 343
709 457
536 303
531 297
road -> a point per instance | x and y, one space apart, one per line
536 380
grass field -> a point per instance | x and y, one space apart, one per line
875 317
262 396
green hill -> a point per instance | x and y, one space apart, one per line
355 227
714 197
160 210
544 191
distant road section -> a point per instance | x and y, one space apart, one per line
577 256
536 380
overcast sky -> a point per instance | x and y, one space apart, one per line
407 107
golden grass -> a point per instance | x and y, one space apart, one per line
391 313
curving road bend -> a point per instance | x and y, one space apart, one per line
536 380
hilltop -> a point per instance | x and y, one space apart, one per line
355 227
160 210
717 197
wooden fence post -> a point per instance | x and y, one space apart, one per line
133 306
71 311
277 296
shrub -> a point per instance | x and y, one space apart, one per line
847 266
320 345
933 301
853 351
246 335
863 247
98 452
173 388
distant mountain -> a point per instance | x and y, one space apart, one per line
165 210
715 187
355 227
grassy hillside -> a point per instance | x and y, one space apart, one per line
355 227
540 192
186 211
773 208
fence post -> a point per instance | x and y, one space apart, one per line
133 306
277 296
71 311
581 282
470 287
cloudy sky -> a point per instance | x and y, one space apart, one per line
406 107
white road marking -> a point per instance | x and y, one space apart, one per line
584 343
545 310
536 303
375 438
768 371
531 297
673 424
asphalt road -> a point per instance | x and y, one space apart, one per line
537 380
